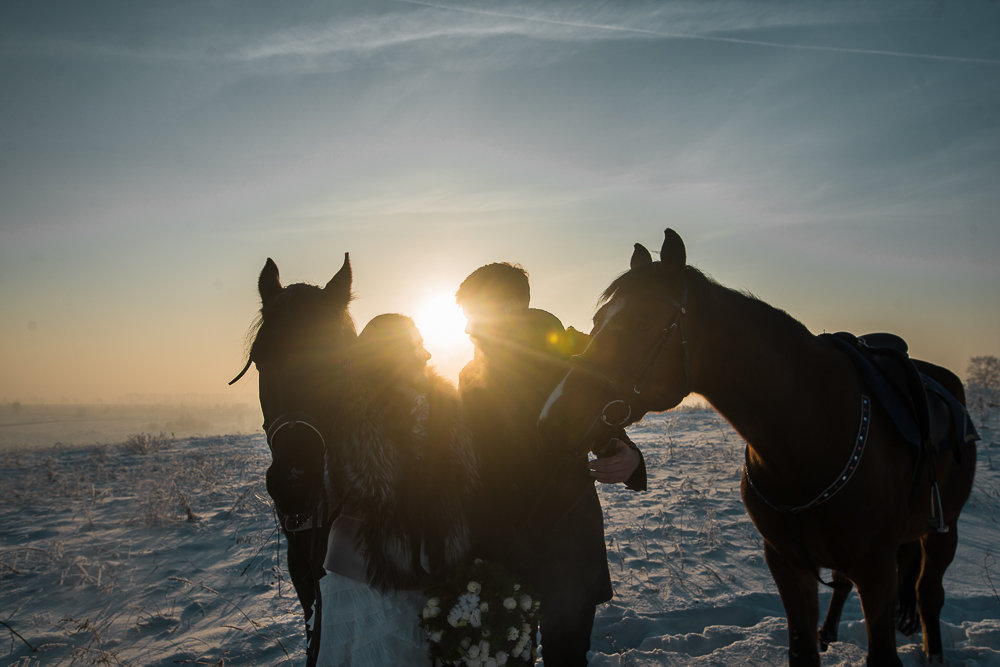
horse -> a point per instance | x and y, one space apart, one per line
828 479
301 341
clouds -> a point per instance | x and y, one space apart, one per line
315 33
778 137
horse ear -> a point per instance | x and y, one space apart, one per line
672 253
339 286
640 256
268 284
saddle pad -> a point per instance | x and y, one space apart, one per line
948 422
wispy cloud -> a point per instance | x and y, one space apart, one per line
447 26
361 37
636 29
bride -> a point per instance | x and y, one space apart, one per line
402 478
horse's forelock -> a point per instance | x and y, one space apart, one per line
297 306
644 277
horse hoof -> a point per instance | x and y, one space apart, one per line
907 618
908 624
825 639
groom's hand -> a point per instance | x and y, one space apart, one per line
617 466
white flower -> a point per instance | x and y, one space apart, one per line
437 636
475 619
501 658
472 651
474 587
509 604
490 662
484 607
473 662
434 602
525 603
465 642
484 648
512 634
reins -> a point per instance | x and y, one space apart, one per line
311 521
242 372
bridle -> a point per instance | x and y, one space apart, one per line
290 420
656 349
608 420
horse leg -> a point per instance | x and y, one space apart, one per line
938 551
877 590
908 565
797 588
841 589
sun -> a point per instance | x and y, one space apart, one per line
442 325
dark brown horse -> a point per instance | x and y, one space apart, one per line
828 481
303 336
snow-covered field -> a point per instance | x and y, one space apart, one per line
165 552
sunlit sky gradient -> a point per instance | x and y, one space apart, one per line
840 160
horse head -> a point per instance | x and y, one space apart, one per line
303 336
637 359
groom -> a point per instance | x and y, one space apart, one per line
540 515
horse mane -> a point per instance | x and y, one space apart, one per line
651 278
648 277
251 335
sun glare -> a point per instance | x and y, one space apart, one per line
442 325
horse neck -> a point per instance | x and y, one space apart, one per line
755 365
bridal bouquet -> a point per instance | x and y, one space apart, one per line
480 617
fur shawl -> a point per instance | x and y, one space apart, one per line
406 468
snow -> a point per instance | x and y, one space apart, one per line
165 551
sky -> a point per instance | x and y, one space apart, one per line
840 160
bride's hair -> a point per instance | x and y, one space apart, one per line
387 344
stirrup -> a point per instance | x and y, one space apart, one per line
937 514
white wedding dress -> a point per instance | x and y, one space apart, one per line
364 627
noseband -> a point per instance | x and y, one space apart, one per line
290 420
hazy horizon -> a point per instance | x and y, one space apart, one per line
839 161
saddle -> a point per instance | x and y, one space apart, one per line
926 414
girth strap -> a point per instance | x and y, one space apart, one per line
838 483
792 512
